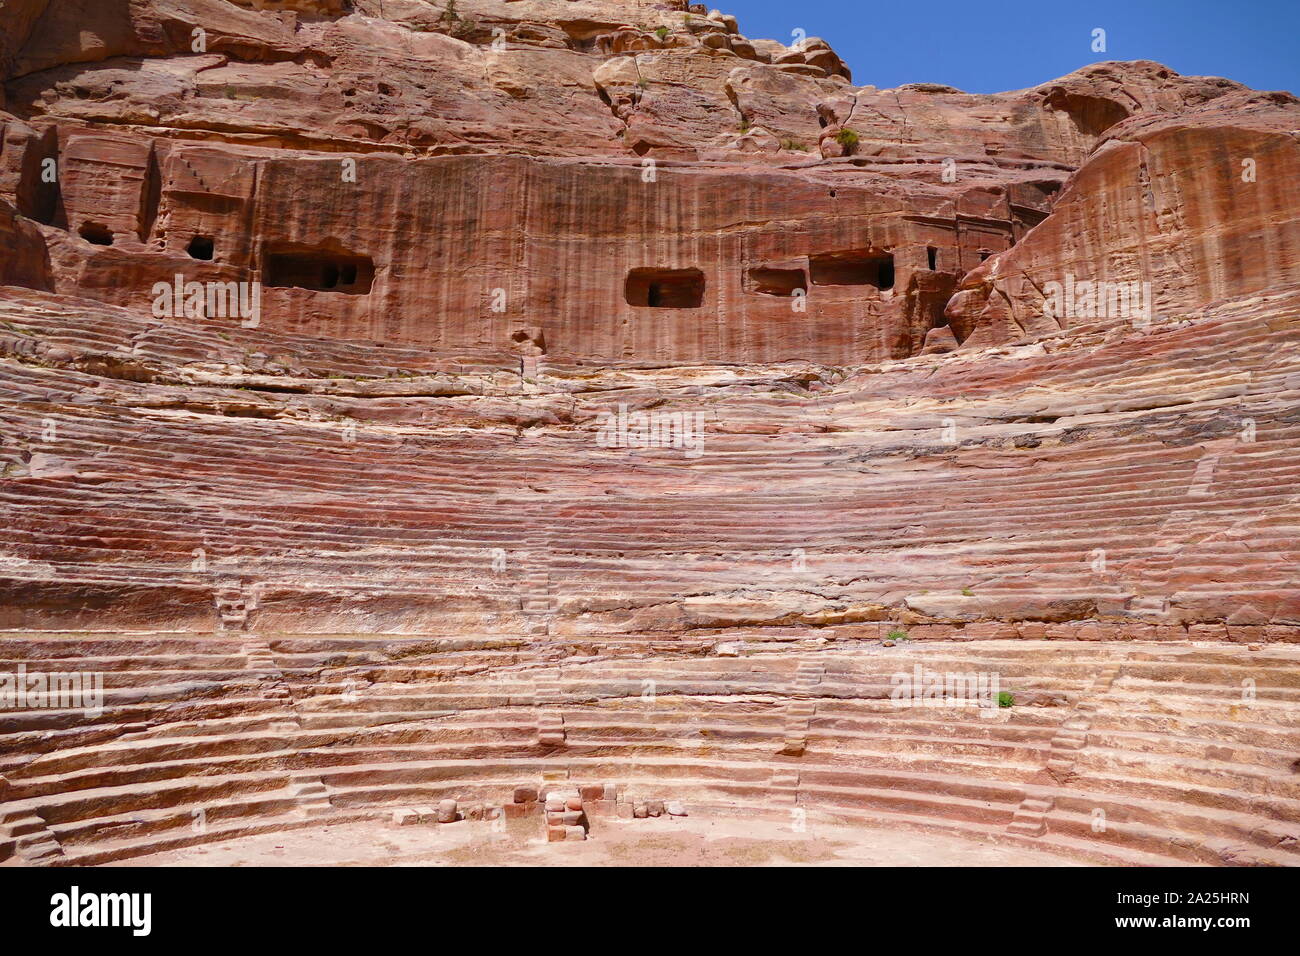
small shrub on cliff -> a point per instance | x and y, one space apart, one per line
897 635
456 25
1005 699
794 144
848 138
661 33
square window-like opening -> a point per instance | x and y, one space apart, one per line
321 270
665 288
96 233
201 247
772 281
931 257
853 268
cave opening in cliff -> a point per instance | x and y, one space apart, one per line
39 195
932 257
853 268
767 280
96 233
201 247
320 271
1092 115
665 288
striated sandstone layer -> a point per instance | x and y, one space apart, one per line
372 545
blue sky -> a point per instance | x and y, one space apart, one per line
995 45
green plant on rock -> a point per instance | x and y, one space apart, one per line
967 592
457 26
1005 698
898 635
661 33
848 138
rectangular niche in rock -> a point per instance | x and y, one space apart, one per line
318 269
853 268
665 288
774 280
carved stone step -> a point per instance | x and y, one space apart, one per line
1033 827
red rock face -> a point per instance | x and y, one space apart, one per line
23 257
1199 208
361 362
504 206
303 134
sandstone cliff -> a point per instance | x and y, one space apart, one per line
478 227
536 153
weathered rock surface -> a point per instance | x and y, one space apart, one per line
432 151
524 254
1201 207
332 554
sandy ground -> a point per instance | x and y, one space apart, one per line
666 841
